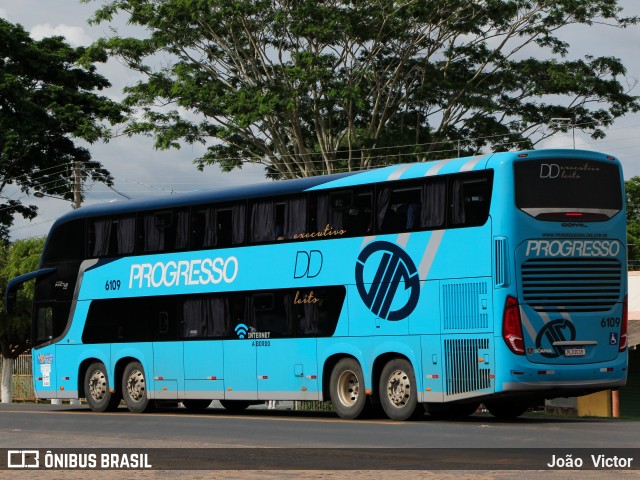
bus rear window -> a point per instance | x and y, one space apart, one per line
568 189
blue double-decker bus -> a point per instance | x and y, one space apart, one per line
499 279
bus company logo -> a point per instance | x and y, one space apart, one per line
555 331
383 294
241 330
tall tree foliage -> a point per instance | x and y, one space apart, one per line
309 87
48 101
632 190
15 329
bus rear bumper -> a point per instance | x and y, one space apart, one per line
578 385
565 378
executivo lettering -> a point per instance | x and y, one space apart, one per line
573 248
201 271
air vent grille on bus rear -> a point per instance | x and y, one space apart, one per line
571 284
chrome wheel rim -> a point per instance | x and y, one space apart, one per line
135 385
398 388
348 388
98 385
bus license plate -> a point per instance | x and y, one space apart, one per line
574 352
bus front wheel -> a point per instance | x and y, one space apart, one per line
347 389
398 390
97 390
134 388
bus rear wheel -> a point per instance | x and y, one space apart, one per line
398 390
134 388
347 389
97 389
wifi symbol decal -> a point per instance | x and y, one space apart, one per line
242 330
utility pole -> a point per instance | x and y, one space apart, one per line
77 184
560 122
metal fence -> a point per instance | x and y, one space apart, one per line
22 379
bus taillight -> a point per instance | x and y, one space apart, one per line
625 322
512 326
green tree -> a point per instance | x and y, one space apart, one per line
15 329
632 190
308 87
47 103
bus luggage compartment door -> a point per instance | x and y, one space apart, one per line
240 377
167 370
203 370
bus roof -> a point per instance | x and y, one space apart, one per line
201 197
339 180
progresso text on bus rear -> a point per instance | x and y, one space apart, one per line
573 248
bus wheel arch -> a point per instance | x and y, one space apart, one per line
97 387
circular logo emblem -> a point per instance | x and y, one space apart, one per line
554 331
387 281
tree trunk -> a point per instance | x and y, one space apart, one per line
5 386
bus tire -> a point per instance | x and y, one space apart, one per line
134 388
196 405
97 389
347 389
398 390
236 405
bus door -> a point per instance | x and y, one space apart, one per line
167 376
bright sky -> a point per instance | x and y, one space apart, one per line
140 171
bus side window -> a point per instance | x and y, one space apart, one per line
316 311
51 321
163 316
164 231
111 236
263 222
44 326
343 213
470 200
205 316
270 314
295 217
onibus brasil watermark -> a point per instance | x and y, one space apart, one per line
33 459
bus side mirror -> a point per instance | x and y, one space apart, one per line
15 284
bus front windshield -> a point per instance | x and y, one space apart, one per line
568 189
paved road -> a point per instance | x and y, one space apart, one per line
65 426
